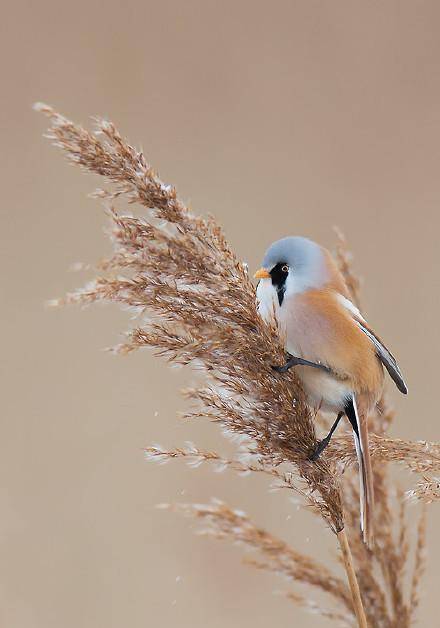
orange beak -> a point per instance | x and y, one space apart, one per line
262 274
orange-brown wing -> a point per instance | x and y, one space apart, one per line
382 351
325 331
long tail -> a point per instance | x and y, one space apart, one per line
359 423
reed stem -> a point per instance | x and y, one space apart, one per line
352 580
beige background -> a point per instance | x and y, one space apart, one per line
279 118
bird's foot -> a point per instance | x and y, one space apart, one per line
281 369
295 361
290 361
320 448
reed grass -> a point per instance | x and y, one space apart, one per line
197 306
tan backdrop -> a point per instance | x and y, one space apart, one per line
279 118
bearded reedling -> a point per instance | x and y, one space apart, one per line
337 356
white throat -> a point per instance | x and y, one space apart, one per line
267 300
267 295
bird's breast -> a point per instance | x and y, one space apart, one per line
317 328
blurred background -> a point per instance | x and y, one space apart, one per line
279 118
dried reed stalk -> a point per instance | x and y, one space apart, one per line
352 579
383 573
197 302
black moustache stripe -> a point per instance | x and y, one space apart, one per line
280 293
279 277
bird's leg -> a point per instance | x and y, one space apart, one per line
325 441
295 361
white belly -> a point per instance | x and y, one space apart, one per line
324 391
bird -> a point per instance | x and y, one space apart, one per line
337 356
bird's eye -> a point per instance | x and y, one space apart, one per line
285 268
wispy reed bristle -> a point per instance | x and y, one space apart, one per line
420 457
220 521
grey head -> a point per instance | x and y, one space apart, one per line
295 264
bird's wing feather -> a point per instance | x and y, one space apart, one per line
387 358
383 353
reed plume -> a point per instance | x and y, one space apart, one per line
197 306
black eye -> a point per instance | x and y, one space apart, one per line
285 268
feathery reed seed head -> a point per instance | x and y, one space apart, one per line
198 305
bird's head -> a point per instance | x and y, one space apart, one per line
293 265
